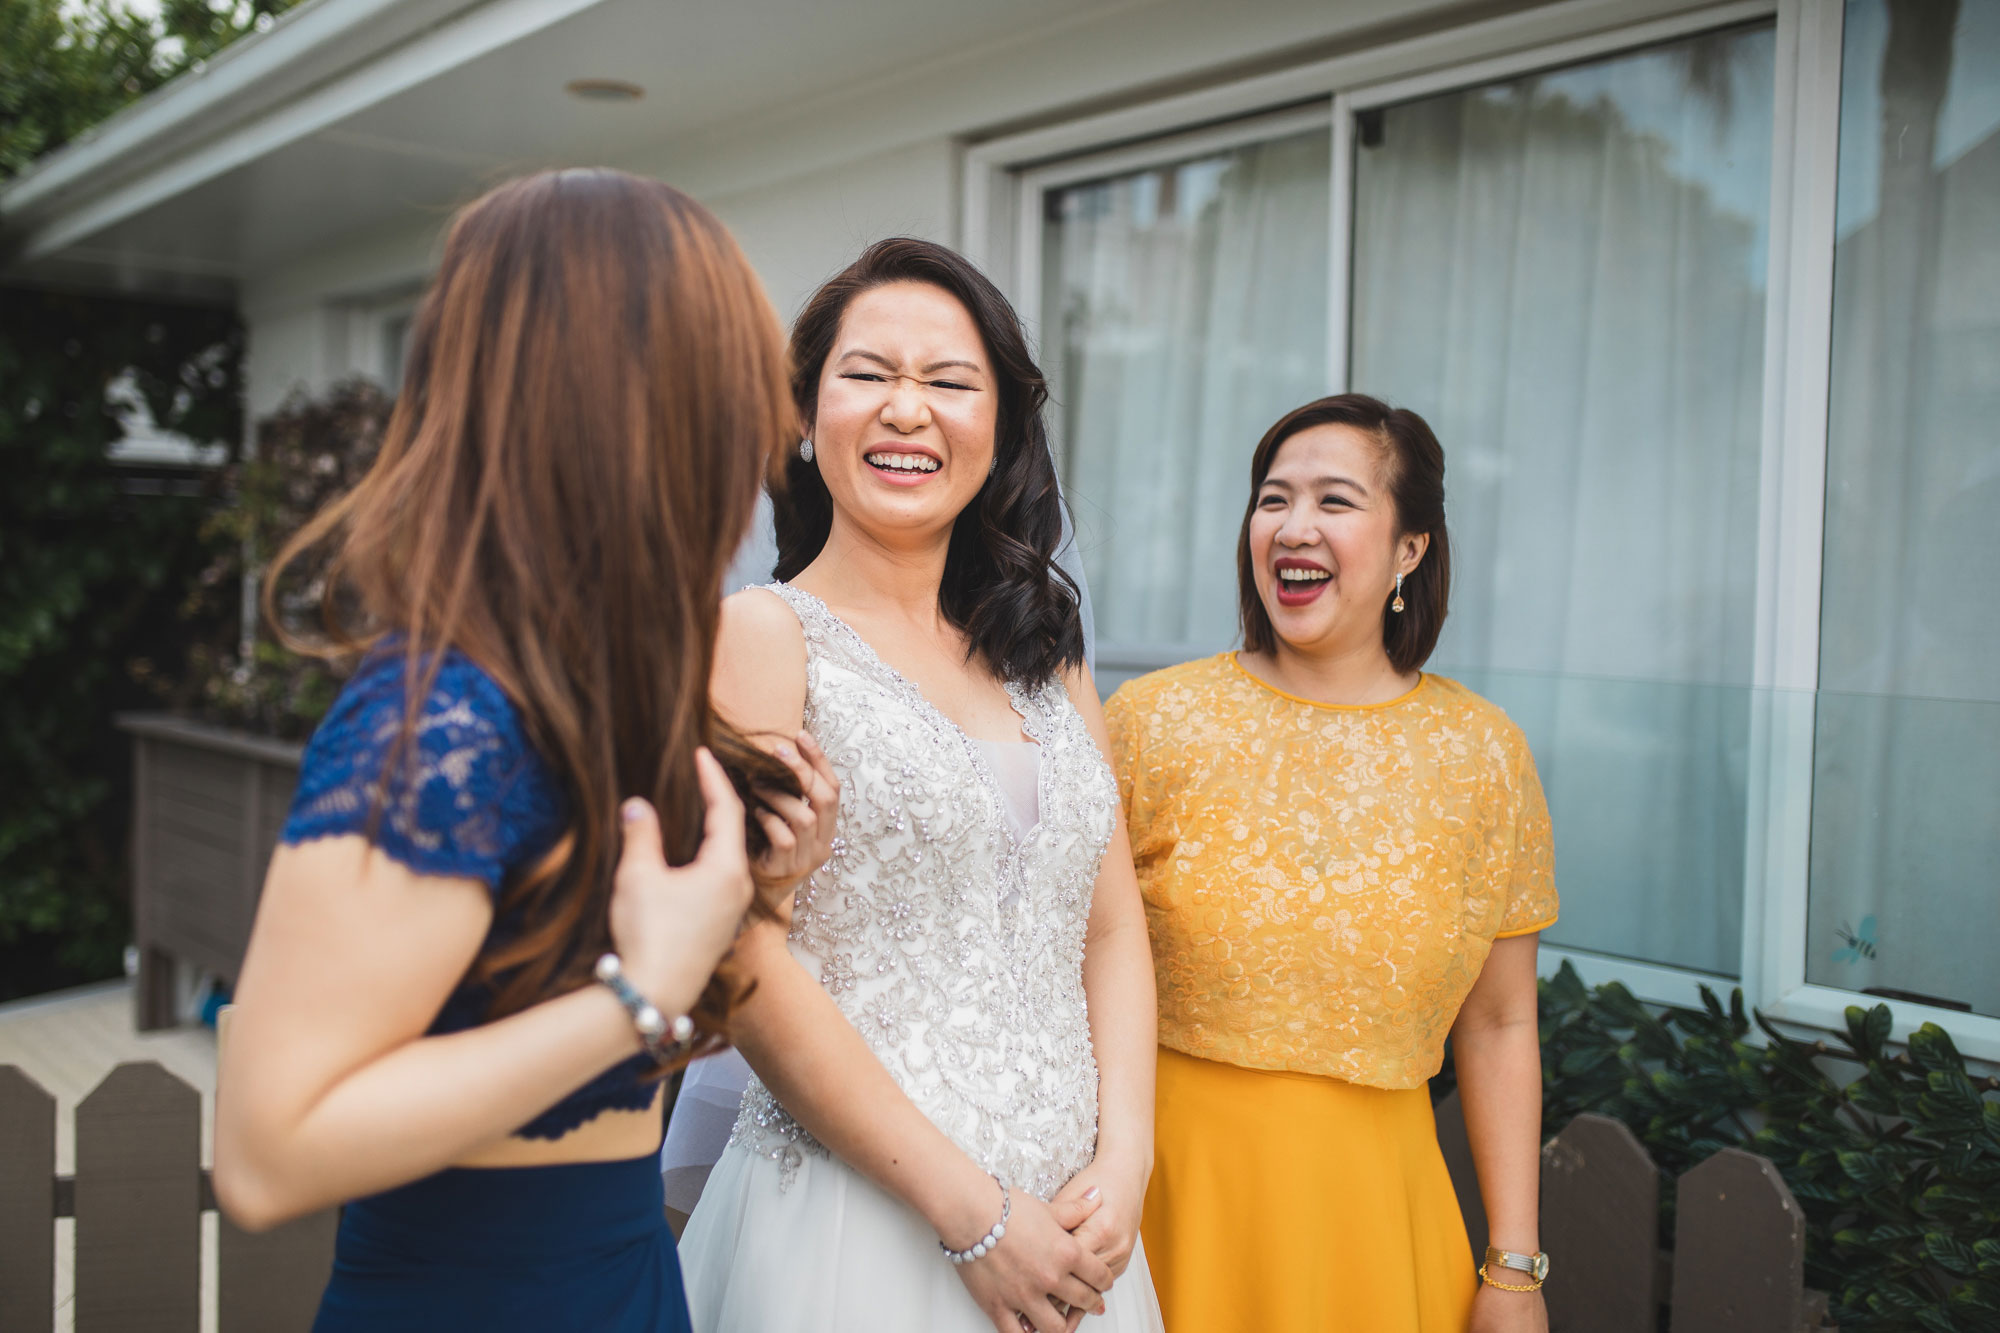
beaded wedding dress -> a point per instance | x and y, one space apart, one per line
948 925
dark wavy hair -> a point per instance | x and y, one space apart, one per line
1413 462
1002 588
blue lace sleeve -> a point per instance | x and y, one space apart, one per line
469 798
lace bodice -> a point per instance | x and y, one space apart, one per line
954 947
1323 884
473 800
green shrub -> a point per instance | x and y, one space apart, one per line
93 579
1895 1156
305 454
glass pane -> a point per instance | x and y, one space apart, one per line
1565 274
395 347
1183 311
1905 895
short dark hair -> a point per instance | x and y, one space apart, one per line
1415 466
1002 588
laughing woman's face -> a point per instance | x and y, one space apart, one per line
1324 546
903 434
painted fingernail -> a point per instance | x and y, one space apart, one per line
632 809
784 751
1090 1193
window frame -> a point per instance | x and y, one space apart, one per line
1006 179
363 333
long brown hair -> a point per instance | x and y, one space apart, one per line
595 389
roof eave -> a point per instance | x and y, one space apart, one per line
309 45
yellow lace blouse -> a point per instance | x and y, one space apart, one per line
1323 884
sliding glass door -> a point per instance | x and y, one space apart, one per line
1565 274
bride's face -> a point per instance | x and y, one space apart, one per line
903 432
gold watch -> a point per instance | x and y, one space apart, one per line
1535 1265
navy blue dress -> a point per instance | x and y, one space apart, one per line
543 1248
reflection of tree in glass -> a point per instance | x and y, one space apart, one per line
1707 68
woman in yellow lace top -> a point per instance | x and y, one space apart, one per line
1344 860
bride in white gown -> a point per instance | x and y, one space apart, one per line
960 1027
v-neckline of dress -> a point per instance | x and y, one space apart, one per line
919 702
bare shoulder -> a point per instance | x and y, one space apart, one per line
758 618
759 678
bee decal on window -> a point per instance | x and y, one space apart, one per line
1855 944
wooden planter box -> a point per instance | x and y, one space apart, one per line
207 807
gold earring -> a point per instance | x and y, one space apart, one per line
1397 605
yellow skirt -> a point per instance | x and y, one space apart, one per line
1292 1203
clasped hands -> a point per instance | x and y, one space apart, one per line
1059 1258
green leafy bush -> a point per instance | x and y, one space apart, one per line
93 579
1895 1156
307 453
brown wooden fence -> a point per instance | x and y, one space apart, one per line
1738 1260
138 1194
207 805
137 1198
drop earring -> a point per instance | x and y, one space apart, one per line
806 450
1397 605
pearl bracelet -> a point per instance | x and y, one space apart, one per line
984 1245
652 1024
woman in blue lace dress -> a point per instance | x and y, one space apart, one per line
514 860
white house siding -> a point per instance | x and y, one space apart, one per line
310 322
800 231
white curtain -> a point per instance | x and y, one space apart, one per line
1184 310
1906 793
1565 276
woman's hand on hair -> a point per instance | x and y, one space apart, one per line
672 924
800 828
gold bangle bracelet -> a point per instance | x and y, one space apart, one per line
1505 1286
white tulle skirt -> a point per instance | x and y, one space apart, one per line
834 1253
698 1130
